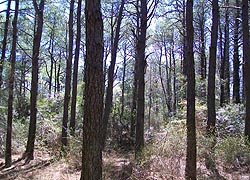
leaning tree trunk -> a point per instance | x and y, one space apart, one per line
8 151
29 153
94 90
190 171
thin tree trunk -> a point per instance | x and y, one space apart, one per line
222 70
226 56
94 91
162 83
109 90
68 78
123 81
150 97
4 43
190 171
246 60
134 102
8 151
29 153
52 60
203 64
75 73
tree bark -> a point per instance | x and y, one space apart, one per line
29 153
72 124
202 44
190 171
246 60
94 90
109 90
212 68
226 56
236 61
222 69
141 46
8 151
68 78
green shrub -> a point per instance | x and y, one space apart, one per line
230 120
233 151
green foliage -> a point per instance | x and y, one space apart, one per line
48 134
230 120
22 108
233 151
20 134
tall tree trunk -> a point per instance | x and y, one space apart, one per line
226 56
109 90
141 46
150 96
190 171
52 59
236 61
212 68
184 64
72 124
203 62
123 81
94 90
4 43
8 151
225 72
222 69
174 74
246 60
162 82
68 78
29 153
134 102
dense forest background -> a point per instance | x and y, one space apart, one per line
125 89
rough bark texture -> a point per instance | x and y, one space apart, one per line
190 171
8 151
68 78
109 90
236 60
246 60
72 124
4 43
93 105
141 45
29 153
212 68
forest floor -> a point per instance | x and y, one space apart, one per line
163 159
